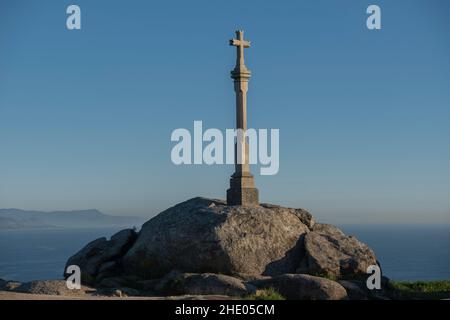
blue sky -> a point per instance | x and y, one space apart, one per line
86 116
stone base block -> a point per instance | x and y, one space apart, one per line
243 197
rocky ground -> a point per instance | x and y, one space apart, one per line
57 290
204 248
181 286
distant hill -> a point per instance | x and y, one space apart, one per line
18 219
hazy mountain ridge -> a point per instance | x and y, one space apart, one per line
18 219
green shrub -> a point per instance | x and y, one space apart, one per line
265 294
420 289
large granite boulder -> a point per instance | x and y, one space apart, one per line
329 252
203 235
102 257
303 287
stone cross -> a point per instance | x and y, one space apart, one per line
240 44
242 189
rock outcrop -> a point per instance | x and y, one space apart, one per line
329 252
101 258
202 246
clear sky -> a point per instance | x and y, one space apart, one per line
86 116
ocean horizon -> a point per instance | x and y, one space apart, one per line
406 252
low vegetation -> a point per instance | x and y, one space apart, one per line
265 294
420 289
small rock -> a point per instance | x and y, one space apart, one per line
117 293
50 287
354 289
6 285
176 283
303 287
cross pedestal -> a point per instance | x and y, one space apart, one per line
242 189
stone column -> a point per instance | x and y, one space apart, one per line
242 189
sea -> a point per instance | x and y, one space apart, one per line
406 252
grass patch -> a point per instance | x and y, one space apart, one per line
265 294
420 289
327 276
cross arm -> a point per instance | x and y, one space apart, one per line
237 43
